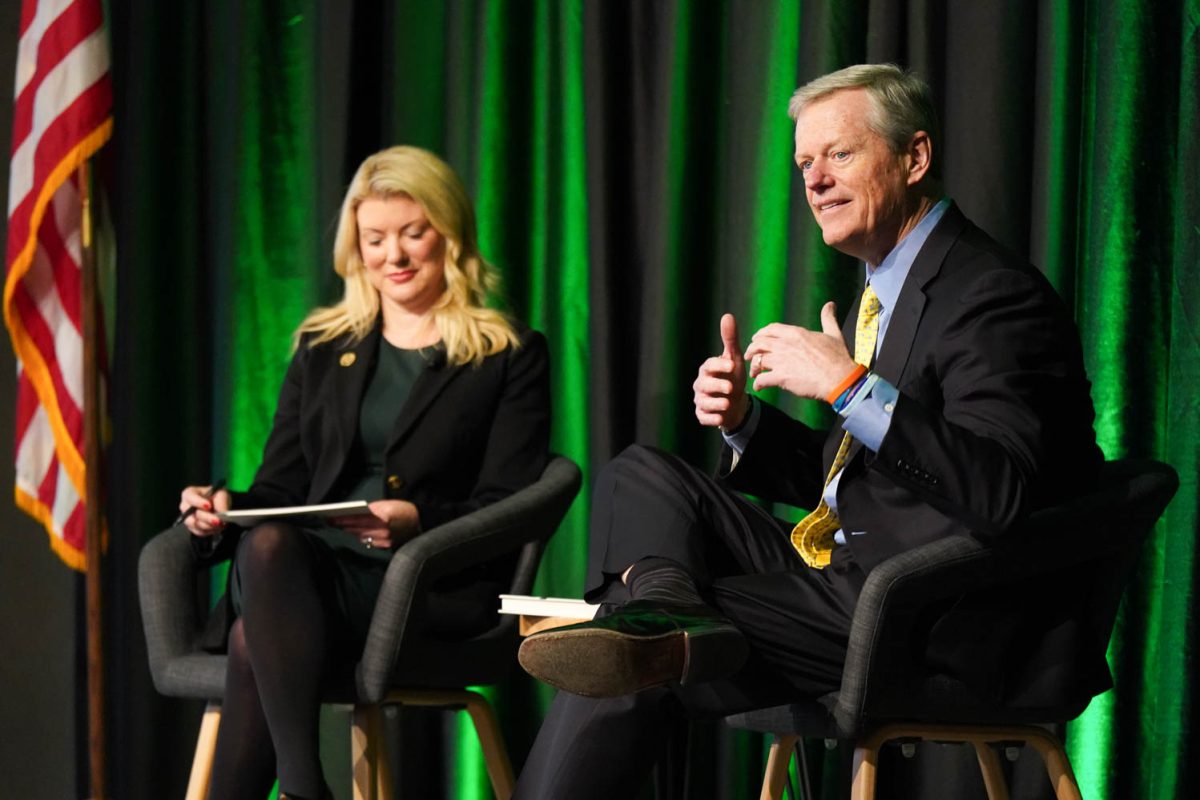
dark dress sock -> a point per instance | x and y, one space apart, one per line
662 580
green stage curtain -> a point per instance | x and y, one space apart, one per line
631 166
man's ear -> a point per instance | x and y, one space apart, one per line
919 157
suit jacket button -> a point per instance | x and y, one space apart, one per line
395 482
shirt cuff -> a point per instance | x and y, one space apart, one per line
869 415
738 440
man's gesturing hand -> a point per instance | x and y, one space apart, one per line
797 360
720 388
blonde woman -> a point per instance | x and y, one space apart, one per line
411 394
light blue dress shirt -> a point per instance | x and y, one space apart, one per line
869 415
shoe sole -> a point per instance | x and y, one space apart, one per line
602 663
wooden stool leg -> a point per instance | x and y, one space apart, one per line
866 762
1062 777
993 776
778 759
206 745
362 752
1048 747
495 754
383 772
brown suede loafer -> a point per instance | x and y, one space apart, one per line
640 646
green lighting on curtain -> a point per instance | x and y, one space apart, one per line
660 424
418 107
1056 254
541 218
273 275
467 777
1123 314
774 172
820 272
558 294
1089 742
1090 739
468 772
534 225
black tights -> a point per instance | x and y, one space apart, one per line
277 651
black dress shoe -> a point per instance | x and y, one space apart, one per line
639 646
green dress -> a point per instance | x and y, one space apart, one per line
395 373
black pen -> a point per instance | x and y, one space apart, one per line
216 487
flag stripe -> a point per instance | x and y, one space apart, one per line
53 331
63 85
64 33
47 490
64 255
27 404
35 365
62 115
37 470
54 162
43 338
33 25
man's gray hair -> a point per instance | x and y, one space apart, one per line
901 103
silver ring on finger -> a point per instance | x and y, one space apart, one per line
369 542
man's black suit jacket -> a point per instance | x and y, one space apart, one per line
994 417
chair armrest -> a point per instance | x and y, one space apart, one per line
171 615
892 595
532 514
527 515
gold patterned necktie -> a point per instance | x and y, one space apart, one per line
813 536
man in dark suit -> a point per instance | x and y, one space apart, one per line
962 406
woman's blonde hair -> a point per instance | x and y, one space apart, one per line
469 329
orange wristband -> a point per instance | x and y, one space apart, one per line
856 373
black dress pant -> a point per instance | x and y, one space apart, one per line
796 620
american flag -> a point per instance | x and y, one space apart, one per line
62 116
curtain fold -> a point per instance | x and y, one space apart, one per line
631 165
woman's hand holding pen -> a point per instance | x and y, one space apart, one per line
390 524
198 506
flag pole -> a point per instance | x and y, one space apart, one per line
97 749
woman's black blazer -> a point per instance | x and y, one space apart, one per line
465 436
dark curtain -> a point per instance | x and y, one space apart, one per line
631 165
